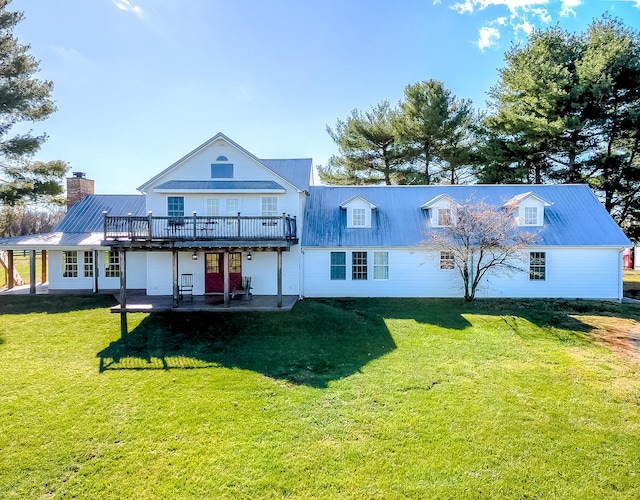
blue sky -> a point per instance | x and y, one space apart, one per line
140 83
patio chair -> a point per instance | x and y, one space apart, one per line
186 286
244 289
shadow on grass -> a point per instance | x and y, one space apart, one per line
327 339
312 345
53 304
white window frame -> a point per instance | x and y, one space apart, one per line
530 216
111 264
381 266
447 260
358 217
88 264
229 210
69 264
269 206
537 266
212 207
444 217
359 266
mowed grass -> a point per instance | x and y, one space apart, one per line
21 263
336 399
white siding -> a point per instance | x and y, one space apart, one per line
570 273
136 272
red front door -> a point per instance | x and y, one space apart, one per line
214 272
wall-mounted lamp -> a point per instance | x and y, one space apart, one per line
249 256
194 256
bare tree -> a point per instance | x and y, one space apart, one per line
24 219
481 239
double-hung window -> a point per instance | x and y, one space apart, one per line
359 217
88 264
530 216
232 206
380 265
269 206
112 264
444 217
359 265
338 265
213 207
70 264
447 260
175 206
537 266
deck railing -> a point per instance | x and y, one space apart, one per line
199 228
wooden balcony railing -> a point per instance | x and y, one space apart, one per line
199 228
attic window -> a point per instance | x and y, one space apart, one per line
222 169
530 216
359 217
444 217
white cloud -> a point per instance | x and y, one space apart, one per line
568 6
488 37
127 6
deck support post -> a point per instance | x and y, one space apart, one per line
279 300
43 267
32 272
95 271
176 289
10 271
124 330
225 267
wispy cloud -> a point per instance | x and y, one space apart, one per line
127 6
523 16
488 37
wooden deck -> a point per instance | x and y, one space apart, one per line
158 303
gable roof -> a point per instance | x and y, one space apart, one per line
296 172
576 217
437 199
346 203
520 198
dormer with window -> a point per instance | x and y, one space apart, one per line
442 210
359 212
529 209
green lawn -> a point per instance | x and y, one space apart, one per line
21 263
336 399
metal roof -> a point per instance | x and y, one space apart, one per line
86 215
184 185
296 170
576 217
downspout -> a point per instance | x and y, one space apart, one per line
620 277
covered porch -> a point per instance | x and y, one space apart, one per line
161 303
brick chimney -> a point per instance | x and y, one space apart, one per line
78 187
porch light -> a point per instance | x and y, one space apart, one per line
194 256
249 256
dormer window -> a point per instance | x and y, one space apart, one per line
528 208
442 210
359 217
444 217
530 216
359 212
222 168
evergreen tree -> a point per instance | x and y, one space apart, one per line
23 98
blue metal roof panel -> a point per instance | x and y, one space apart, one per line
296 170
220 185
86 215
575 218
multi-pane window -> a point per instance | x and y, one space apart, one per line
269 206
112 264
338 265
88 264
70 264
380 265
537 265
213 206
444 217
530 216
447 260
212 263
233 206
359 265
359 217
235 262
175 206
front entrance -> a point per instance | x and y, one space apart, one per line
214 272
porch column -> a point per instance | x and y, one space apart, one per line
95 271
176 288
32 272
10 270
225 266
123 294
279 300
43 267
